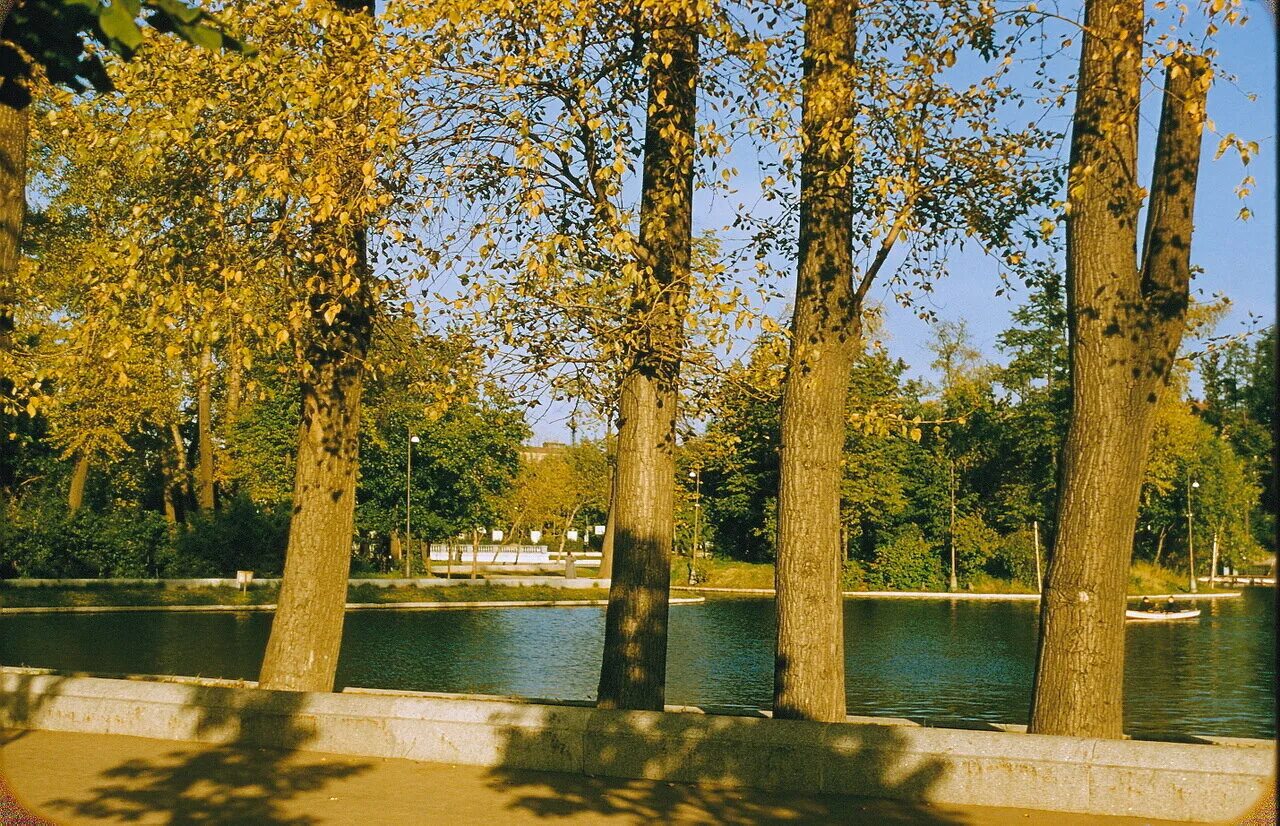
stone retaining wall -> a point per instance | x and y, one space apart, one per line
877 759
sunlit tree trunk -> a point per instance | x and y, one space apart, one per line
633 669
1126 322
182 477
13 181
306 634
204 431
79 475
825 330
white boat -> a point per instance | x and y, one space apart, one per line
1162 616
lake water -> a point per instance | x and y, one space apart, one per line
934 660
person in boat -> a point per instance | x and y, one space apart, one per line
1170 606
1145 605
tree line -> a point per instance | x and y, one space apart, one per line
348 222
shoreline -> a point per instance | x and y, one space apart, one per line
350 606
961 595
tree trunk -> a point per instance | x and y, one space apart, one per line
1160 544
1126 323
79 475
235 380
475 552
302 652
825 330
13 205
633 669
606 543
181 472
306 634
204 431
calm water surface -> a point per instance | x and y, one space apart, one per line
933 660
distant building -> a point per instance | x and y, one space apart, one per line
535 453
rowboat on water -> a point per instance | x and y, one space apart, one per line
1161 616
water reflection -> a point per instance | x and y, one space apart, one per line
942 661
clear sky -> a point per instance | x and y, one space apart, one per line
1238 257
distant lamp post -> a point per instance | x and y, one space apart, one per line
696 476
1191 547
408 505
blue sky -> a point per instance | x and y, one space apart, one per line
1238 257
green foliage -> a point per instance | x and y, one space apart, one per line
853 577
908 562
121 543
241 536
57 35
977 545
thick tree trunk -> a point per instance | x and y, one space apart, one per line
204 431
79 475
1126 323
809 663
13 179
633 669
302 652
306 634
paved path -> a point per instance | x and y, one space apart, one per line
97 779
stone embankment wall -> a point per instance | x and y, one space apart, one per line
890 759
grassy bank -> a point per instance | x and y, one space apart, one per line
1144 578
101 595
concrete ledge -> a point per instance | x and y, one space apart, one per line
382 582
351 606
879 759
957 595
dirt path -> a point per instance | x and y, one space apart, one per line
68 778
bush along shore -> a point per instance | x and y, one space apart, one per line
108 594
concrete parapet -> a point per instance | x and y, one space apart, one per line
882 758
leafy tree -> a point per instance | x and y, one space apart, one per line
892 155
1126 319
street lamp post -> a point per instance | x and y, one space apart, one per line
1191 548
696 476
408 507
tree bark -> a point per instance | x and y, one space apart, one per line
79 475
1126 322
181 472
825 340
235 379
606 544
302 652
633 669
306 634
204 431
13 204
1160 544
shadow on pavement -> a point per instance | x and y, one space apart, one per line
231 782
732 775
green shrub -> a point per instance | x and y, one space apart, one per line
907 563
976 546
853 577
123 543
241 536
1014 558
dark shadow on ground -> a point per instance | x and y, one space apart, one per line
234 782
734 770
